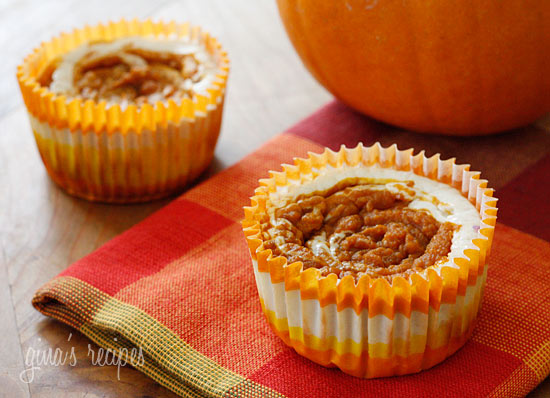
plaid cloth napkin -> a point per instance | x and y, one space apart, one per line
180 284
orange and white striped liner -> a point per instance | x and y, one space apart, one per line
137 153
372 328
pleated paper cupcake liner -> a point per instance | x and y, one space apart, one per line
109 153
372 327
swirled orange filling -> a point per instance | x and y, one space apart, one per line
130 74
358 231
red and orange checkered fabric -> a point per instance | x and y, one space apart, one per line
180 284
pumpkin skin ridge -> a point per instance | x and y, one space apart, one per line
316 73
504 87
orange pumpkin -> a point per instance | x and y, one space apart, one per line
460 67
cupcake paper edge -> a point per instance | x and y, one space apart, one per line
373 328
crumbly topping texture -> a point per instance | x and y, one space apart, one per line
131 70
358 230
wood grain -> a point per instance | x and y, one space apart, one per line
42 230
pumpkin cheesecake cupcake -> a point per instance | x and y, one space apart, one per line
371 259
128 111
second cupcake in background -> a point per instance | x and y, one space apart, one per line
128 111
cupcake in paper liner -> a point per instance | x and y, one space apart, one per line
128 111
371 259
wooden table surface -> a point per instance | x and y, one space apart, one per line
42 230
